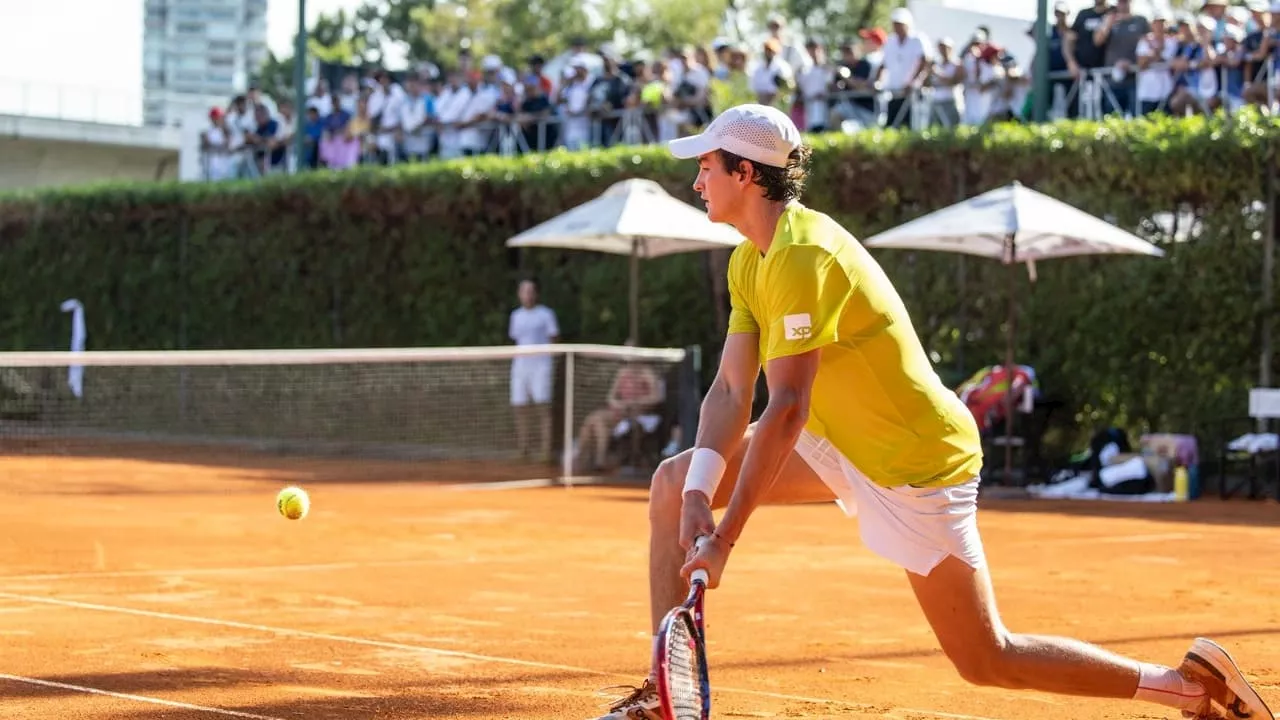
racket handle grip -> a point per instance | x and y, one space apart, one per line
700 575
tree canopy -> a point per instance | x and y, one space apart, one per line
435 31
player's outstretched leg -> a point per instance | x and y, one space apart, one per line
796 484
959 603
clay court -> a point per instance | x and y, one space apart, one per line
143 585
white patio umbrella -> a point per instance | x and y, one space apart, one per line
636 218
1013 224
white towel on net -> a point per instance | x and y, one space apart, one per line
75 373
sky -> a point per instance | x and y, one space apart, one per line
82 59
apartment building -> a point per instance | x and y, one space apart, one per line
197 54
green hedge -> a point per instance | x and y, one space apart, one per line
414 255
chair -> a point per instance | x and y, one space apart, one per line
639 451
1027 441
21 399
1256 466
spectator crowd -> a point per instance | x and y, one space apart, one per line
1106 59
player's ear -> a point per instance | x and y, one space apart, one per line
745 171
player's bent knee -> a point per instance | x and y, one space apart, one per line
666 489
987 664
975 670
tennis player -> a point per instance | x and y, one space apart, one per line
857 415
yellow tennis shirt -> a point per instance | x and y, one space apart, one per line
876 397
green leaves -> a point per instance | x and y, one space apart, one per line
661 24
415 255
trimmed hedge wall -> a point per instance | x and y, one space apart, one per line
414 255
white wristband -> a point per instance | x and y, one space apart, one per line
705 470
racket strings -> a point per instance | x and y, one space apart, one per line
684 673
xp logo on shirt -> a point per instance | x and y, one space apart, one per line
797 327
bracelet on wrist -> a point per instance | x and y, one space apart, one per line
723 539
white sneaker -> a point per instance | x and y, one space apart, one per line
641 703
1211 666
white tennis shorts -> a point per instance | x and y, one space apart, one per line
531 381
915 528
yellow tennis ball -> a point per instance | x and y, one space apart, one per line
293 503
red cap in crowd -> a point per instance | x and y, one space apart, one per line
875 34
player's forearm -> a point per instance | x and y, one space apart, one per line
726 412
775 437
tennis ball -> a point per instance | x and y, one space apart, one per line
293 503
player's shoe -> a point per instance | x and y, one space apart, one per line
640 703
1211 666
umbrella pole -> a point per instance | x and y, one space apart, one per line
634 334
1008 368
1268 282
962 271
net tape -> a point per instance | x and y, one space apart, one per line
191 358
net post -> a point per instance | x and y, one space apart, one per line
566 453
690 394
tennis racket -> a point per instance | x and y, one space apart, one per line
684 687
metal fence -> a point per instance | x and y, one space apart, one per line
1094 94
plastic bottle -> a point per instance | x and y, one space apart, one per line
1181 484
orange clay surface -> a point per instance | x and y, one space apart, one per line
166 586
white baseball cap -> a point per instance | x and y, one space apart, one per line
756 132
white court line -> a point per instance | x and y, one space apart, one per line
288 632
136 698
570 482
1123 539
221 571
504 484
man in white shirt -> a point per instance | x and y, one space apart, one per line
452 104
946 76
531 375
813 85
575 104
350 93
905 66
239 121
691 86
474 120
385 104
320 98
1155 53
415 134
773 80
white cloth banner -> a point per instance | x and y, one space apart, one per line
75 373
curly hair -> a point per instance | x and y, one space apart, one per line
781 184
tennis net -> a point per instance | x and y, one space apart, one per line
394 403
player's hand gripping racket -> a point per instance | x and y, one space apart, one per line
684 687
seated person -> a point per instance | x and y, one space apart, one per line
637 395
